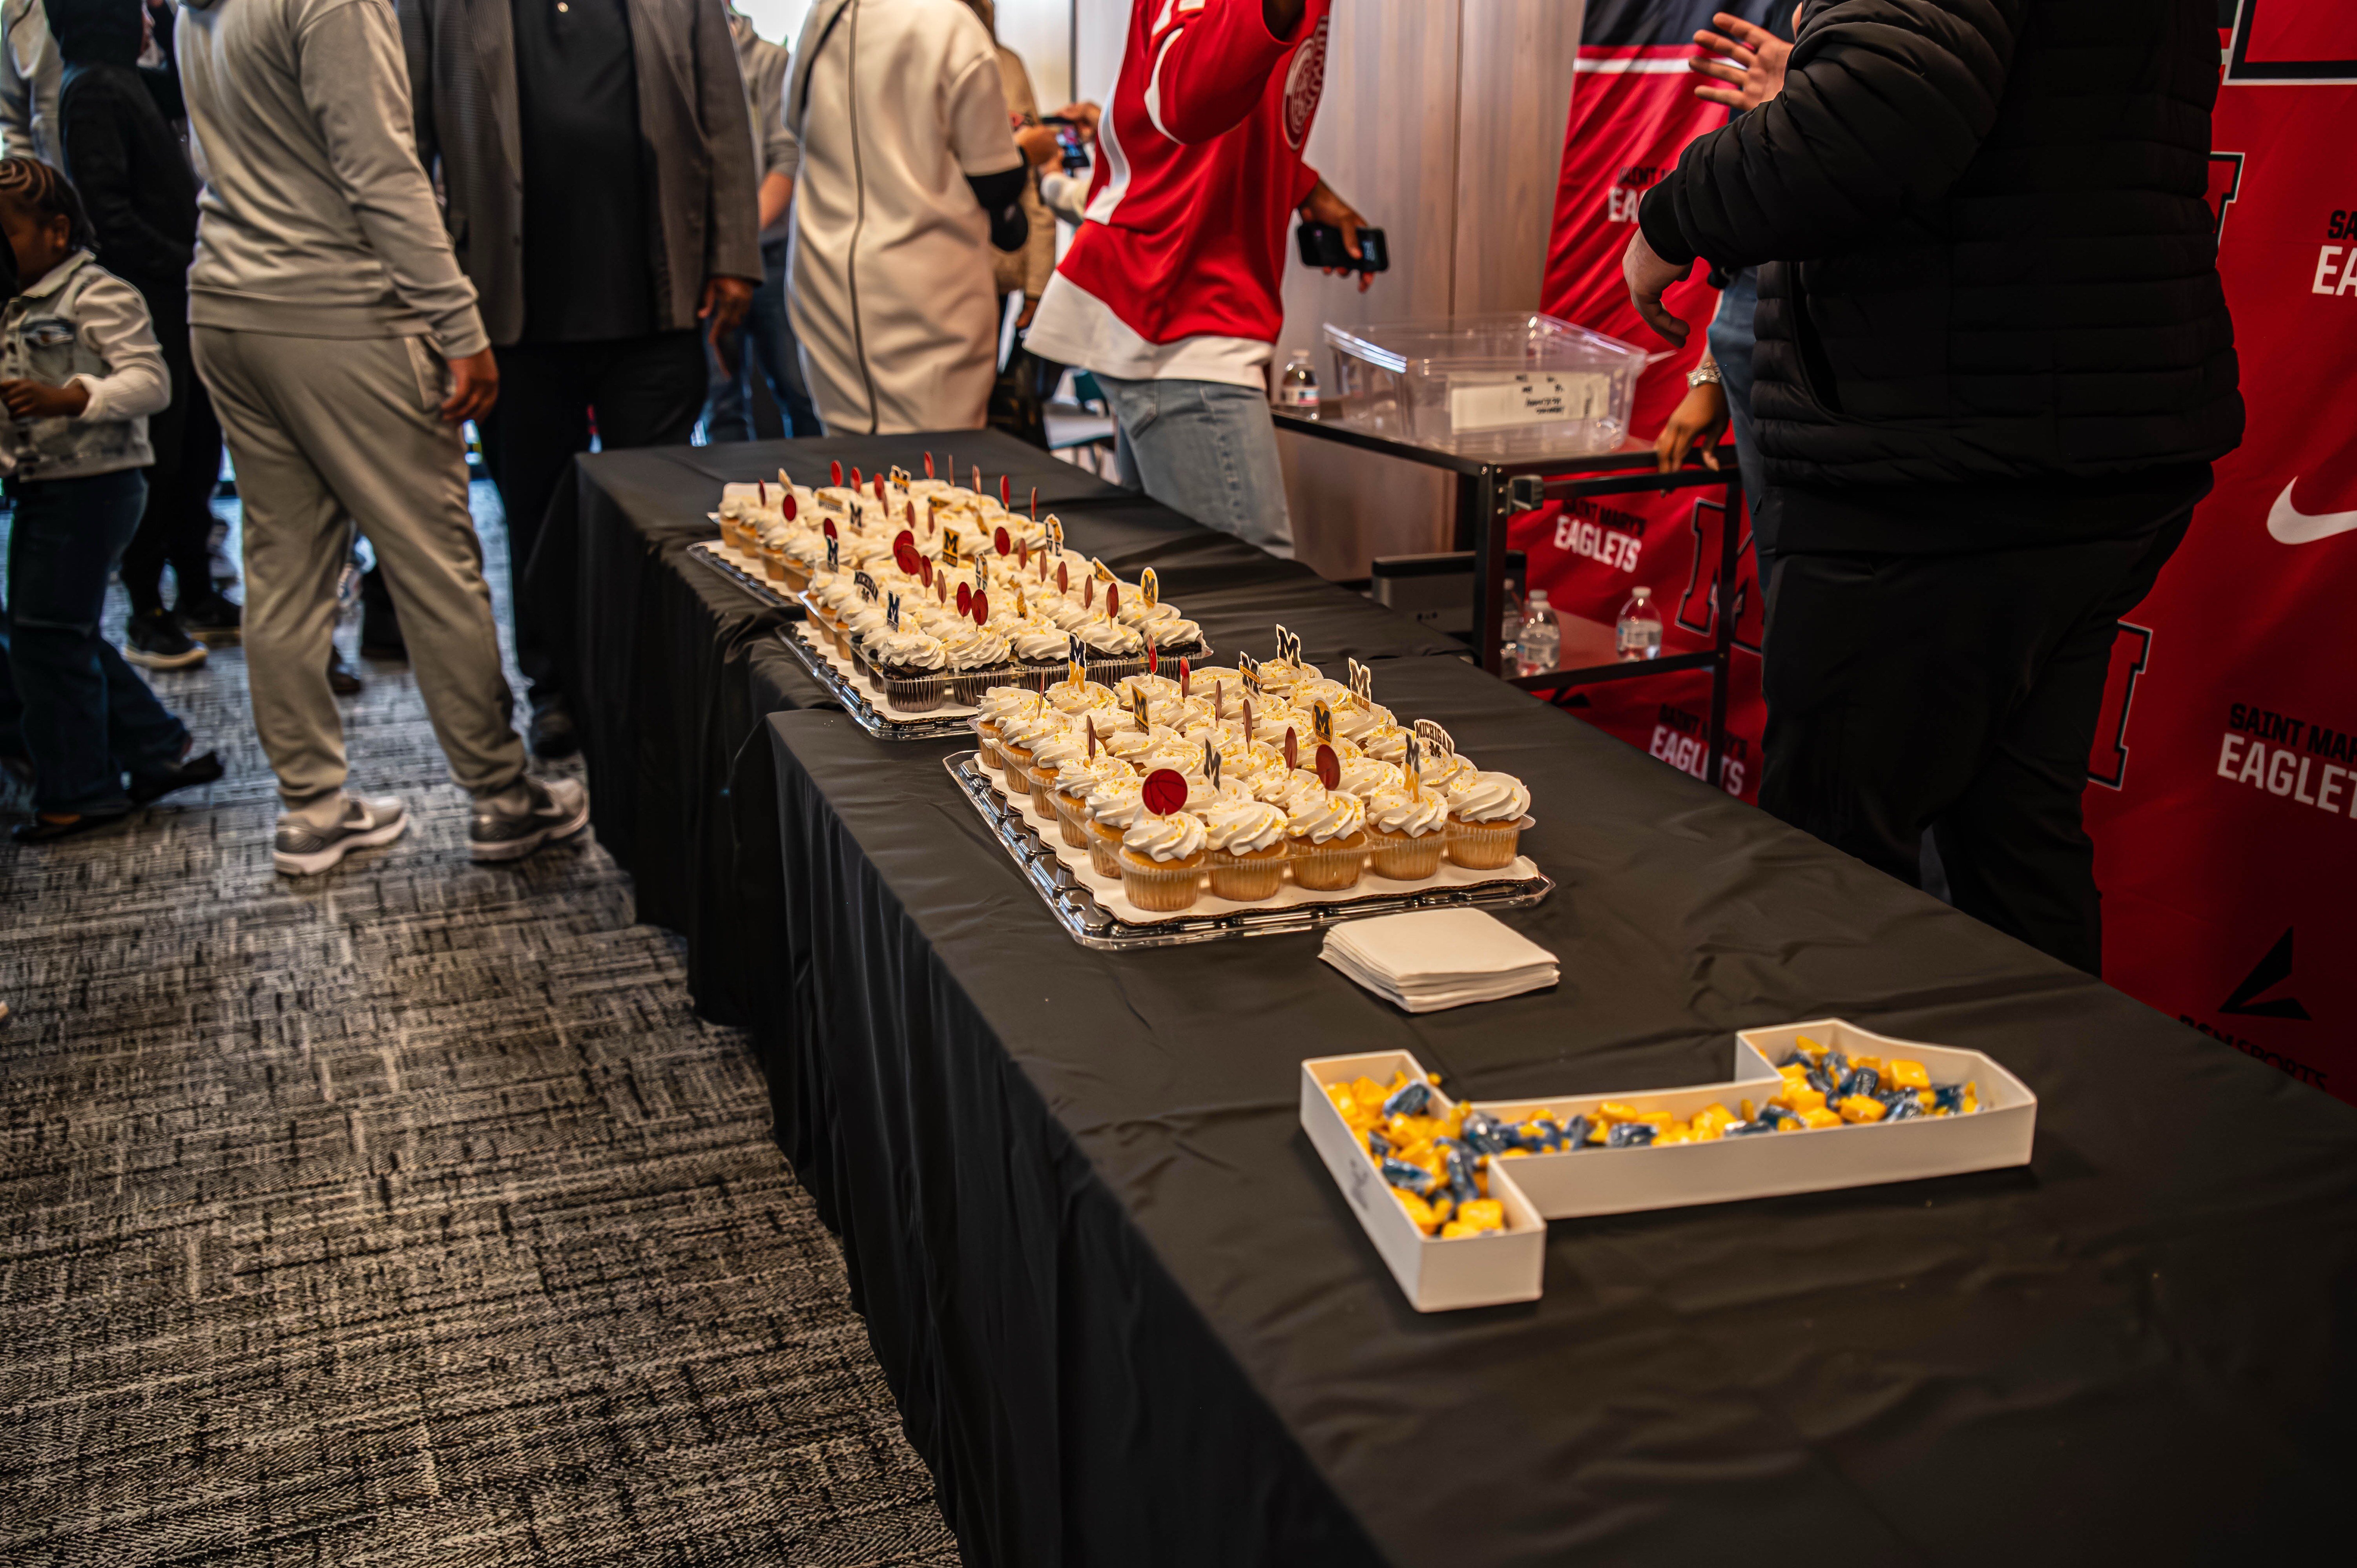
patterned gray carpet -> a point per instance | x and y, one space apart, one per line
402 1216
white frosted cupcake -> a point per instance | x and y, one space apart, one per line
1363 776
1485 820
1114 806
1328 832
1162 860
1248 848
1407 832
1074 783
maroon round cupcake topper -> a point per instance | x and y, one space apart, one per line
761 488
940 581
1292 747
856 482
1112 598
1186 680
1329 767
879 489
1164 791
786 504
925 572
1023 556
1035 503
1005 491
1063 577
904 552
1153 660
1092 722
928 464
981 607
977 478
834 473
827 528
1089 593
1001 541
965 599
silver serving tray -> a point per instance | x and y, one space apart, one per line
1076 908
708 551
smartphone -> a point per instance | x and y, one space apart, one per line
1321 246
1069 145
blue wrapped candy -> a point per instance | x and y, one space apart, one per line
1628 1135
1950 1098
1748 1128
1576 1132
1414 1178
1861 1080
1837 1066
1824 1083
1377 1144
1409 1100
1483 1135
1901 1103
1460 1164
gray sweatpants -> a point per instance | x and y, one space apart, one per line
326 432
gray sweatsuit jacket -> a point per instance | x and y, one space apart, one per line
316 219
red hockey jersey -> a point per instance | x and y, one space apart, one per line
1176 273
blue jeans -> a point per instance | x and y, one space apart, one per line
1205 448
767 339
86 716
1731 338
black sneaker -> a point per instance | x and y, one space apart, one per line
187 775
212 620
341 679
553 734
154 640
558 809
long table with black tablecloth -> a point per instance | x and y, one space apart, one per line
1130 1320
671 666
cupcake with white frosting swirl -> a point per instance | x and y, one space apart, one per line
1162 860
1486 813
1328 832
1249 847
1407 830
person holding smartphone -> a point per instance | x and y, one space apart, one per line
1169 293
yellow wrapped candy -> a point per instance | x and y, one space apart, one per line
1809 1048
1859 1108
1821 1117
1907 1075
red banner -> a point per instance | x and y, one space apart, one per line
1632 111
2225 800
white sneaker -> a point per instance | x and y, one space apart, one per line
303 850
556 808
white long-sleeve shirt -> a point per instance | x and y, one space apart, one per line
30 74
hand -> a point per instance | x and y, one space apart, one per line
1649 277
1695 423
474 388
37 400
1030 309
1752 60
1085 115
1322 205
725 302
1039 143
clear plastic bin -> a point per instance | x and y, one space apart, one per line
1487 386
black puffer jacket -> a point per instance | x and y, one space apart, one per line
1992 281
121 153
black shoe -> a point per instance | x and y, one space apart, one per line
41 830
553 734
213 620
154 640
340 678
187 775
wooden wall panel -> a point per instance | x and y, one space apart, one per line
1514 102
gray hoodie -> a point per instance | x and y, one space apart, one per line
316 219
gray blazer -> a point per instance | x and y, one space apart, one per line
691 112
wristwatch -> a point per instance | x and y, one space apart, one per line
1707 372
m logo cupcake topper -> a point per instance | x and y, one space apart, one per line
1289 647
1137 708
1074 655
892 612
1149 587
1056 531
1362 682
1415 764
1211 763
1099 570
949 545
834 552
866 585
1433 736
1321 722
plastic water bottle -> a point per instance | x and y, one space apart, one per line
1297 390
1639 633
1509 632
1539 649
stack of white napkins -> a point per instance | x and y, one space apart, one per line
1438 958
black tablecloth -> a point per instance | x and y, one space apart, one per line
1130 1320
671 666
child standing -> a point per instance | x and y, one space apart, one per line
80 372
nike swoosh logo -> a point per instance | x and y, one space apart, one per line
2292 526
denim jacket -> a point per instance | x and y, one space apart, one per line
81 323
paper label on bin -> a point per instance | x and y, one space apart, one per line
1539 397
